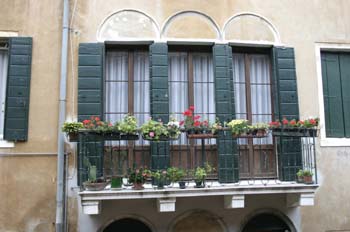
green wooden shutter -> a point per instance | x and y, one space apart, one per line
159 101
90 80
18 89
336 96
286 106
224 95
90 103
345 83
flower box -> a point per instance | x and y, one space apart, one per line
97 136
73 137
294 132
161 138
200 134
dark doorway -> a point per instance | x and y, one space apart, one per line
127 224
266 223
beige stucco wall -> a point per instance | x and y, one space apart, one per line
299 23
28 182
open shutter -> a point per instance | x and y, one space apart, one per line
90 103
224 95
159 101
286 106
18 89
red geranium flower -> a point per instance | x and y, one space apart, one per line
191 108
197 123
197 117
285 121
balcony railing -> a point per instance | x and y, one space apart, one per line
260 159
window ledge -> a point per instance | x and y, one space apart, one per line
335 142
6 144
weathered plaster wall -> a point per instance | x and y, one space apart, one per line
28 183
299 23
211 208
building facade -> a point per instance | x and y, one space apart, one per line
254 60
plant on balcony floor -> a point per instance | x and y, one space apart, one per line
300 176
199 177
93 183
160 177
307 174
71 129
177 175
195 128
138 177
157 131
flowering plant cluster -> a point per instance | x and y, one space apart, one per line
155 130
193 121
128 125
303 124
139 175
238 126
72 127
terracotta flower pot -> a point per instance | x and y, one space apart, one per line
138 186
308 180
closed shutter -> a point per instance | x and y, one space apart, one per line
224 95
18 89
286 106
90 103
336 96
159 101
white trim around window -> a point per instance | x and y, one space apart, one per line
319 47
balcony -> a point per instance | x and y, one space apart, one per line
266 166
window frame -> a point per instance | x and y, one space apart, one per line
319 48
4 143
247 53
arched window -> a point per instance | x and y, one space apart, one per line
266 222
127 224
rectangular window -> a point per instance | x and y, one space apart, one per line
3 79
127 91
252 87
336 95
191 83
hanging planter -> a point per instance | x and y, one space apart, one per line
293 128
157 131
71 129
198 133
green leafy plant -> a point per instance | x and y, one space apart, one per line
300 173
153 130
72 127
128 125
173 127
307 173
200 174
175 174
238 126
139 175
160 175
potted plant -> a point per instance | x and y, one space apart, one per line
300 176
138 177
157 131
239 127
177 175
116 182
258 130
93 183
128 128
199 177
307 176
196 129
71 129
160 177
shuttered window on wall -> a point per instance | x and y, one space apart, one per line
336 94
3 79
